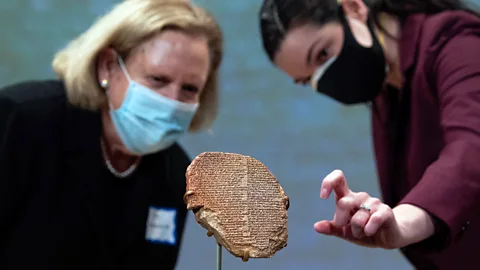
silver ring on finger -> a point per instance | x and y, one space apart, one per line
365 207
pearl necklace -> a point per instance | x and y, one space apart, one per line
110 167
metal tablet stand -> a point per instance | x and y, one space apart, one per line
219 257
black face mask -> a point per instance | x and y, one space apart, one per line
356 75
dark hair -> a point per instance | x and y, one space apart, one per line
278 16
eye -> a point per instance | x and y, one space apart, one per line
159 80
190 88
322 57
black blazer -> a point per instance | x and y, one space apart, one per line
60 208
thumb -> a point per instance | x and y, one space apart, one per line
328 228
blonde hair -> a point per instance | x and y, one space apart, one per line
124 28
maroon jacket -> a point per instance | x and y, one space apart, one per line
428 148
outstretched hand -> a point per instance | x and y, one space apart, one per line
359 218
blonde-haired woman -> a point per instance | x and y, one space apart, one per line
91 176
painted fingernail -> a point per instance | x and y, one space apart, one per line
323 193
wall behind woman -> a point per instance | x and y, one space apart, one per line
300 136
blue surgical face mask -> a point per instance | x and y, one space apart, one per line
148 122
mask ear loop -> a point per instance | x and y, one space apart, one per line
125 72
380 35
124 69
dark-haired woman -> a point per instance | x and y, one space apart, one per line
417 63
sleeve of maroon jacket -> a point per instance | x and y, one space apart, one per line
450 187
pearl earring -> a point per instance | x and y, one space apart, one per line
104 83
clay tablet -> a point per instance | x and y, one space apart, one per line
239 201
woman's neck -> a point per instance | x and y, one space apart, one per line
115 151
390 47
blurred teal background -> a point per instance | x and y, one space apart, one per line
299 135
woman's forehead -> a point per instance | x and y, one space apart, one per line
174 51
294 51
173 45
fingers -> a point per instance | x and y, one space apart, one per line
361 217
347 206
362 222
334 181
326 227
359 220
343 213
383 215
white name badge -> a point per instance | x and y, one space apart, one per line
161 226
